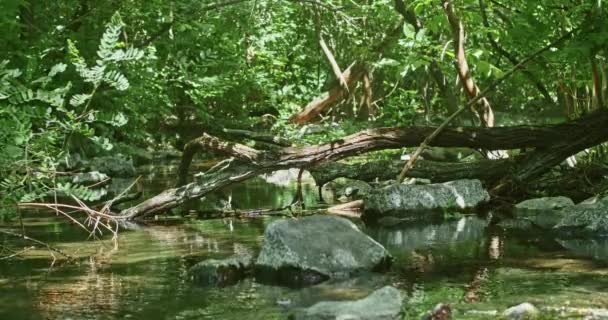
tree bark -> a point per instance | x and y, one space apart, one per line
382 170
484 110
552 145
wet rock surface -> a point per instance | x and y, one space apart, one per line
222 272
414 202
587 218
299 252
546 203
544 213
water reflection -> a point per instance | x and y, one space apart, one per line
147 278
594 248
452 237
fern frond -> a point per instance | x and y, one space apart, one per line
79 99
53 98
130 54
20 95
110 37
93 75
56 69
116 80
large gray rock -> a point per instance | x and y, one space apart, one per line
212 272
313 249
588 217
544 213
415 201
383 304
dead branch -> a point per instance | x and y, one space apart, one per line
553 144
38 242
334 64
484 111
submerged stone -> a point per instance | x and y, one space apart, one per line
212 272
415 201
383 304
544 213
313 249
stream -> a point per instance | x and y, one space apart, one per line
478 270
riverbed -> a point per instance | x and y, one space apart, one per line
479 270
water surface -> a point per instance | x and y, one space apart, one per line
478 270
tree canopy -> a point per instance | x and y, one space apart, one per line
82 77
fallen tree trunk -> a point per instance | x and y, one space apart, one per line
552 145
382 170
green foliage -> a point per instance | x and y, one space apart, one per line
39 117
169 71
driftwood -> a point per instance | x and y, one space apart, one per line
552 144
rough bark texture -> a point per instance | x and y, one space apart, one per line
485 170
552 145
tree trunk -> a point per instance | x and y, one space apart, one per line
552 145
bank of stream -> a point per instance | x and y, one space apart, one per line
478 270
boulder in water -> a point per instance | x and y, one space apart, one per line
586 218
415 201
88 178
212 272
382 304
544 213
313 249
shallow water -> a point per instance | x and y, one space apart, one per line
462 262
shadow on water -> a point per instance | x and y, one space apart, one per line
460 261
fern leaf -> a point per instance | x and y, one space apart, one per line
116 80
131 54
110 37
79 99
56 69
93 75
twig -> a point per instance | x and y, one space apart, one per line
17 253
49 247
